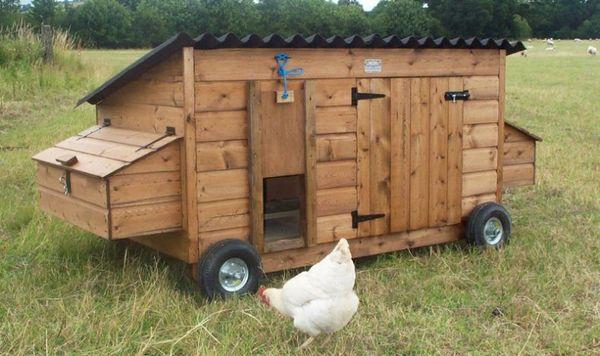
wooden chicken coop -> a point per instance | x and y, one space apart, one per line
284 146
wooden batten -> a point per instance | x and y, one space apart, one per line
256 167
311 177
501 99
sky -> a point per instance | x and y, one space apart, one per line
367 4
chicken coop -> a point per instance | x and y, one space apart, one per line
242 155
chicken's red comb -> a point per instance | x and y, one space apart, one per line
262 296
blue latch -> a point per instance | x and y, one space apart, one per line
282 59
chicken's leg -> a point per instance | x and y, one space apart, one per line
307 342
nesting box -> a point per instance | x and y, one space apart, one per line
387 142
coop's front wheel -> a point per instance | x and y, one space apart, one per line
229 267
489 226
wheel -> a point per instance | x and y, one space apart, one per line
229 267
489 226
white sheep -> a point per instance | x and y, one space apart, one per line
592 51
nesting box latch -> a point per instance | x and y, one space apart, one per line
65 180
457 95
285 96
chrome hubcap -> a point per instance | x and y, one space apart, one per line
233 274
493 231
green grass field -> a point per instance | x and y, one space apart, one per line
65 291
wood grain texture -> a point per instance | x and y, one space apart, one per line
479 183
224 214
221 96
479 136
363 157
126 189
519 175
336 201
311 175
513 135
480 111
258 63
468 203
518 152
419 153
336 147
219 155
400 154
336 174
151 218
142 117
455 146
334 92
501 103
335 227
89 189
167 159
189 202
438 152
255 175
222 185
482 87
221 126
480 159
336 119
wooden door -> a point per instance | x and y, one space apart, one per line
409 154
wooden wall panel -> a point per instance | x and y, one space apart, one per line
222 185
478 136
221 125
127 189
336 119
225 214
479 183
336 147
455 145
336 201
89 189
480 159
468 203
438 152
400 154
419 155
519 152
334 92
220 155
336 174
335 227
311 177
363 146
142 117
482 88
221 96
519 175
151 218
480 111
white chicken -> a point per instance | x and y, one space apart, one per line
320 300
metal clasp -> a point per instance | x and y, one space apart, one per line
65 180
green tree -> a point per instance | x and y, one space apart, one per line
236 16
402 18
9 12
521 28
42 12
104 23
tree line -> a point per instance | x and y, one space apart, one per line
146 23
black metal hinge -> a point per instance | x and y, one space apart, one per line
356 96
457 95
360 218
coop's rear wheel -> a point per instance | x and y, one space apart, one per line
489 226
229 267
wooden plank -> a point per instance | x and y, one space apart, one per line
142 117
189 202
438 152
126 189
222 185
123 136
480 159
219 155
336 201
380 158
100 148
284 244
513 135
501 102
174 244
225 214
256 169
77 212
468 203
88 189
336 119
483 88
258 63
363 144
334 92
166 159
479 136
221 126
311 177
221 96
336 174
518 152
480 111
283 128
360 247
336 147
479 183
335 227
209 238
154 92
150 218
400 155
86 164
519 175
419 155
455 146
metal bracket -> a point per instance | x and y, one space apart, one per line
356 96
457 95
65 180
360 218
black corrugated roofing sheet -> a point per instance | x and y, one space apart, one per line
208 41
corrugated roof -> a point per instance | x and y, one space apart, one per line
208 41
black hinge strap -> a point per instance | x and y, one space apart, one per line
170 131
360 218
356 96
105 123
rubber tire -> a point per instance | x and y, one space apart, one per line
215 256
477 219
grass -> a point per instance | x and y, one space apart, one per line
65 291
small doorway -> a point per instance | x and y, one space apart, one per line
284 212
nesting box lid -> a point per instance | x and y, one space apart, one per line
100 151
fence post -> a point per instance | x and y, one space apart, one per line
47 43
